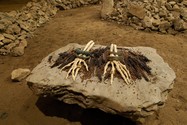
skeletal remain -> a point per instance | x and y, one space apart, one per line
77 63
117 65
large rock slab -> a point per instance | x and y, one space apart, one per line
134 101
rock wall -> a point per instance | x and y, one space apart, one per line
16 26
165 16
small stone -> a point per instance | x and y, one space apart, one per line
168 6
176 7
180 25
2 27
164 25
41 13
41 20
170 17
23 25
9 36
107 8
12 14
1 44
17 51
171 31
4 52
156 22
162 13
22 37
13 29
147 22
175 14
184 14
23 43
25 17
10 46
172 2
133 10
19 74
1 37
5 22
7 41
29 4
185 3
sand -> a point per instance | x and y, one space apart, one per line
19 106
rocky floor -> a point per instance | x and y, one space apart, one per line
19 106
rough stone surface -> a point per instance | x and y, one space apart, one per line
134 101
19 74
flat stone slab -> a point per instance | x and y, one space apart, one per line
133 101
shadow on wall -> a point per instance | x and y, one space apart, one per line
75 113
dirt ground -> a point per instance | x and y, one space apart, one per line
19 106
8 5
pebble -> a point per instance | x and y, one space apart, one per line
17 51
19 74
2 27
1 37
9 36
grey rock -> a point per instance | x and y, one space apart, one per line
19 74
140 99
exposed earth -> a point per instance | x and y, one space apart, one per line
19 106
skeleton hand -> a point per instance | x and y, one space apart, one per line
116 64
77 63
